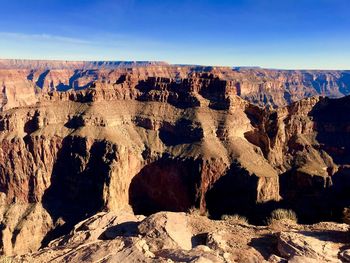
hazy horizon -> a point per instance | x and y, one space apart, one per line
308 34
177 64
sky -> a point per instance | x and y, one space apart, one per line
286 34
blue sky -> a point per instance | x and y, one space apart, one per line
267 33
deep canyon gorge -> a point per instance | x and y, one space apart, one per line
83 140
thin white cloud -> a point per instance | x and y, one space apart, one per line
101 40
43 37
102 46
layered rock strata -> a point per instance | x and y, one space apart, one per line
153 138
22 81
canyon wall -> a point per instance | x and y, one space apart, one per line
22 81
153 138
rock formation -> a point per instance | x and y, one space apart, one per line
180 237
22 81
150 138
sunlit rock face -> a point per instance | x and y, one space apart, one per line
23 81
77 139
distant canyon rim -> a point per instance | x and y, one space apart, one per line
79 138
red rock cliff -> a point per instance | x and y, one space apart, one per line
162 138
22 80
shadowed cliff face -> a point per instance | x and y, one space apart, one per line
333 125
316 185
236 192
165 185
78 177
311 196
168 143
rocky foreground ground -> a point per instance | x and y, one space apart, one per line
181 237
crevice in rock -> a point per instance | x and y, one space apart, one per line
33 124
266 245
126 229
74 122
199 239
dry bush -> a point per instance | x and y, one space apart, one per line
194 211
282 215
4 259
238 219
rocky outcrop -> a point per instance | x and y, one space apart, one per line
180 237
325 242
